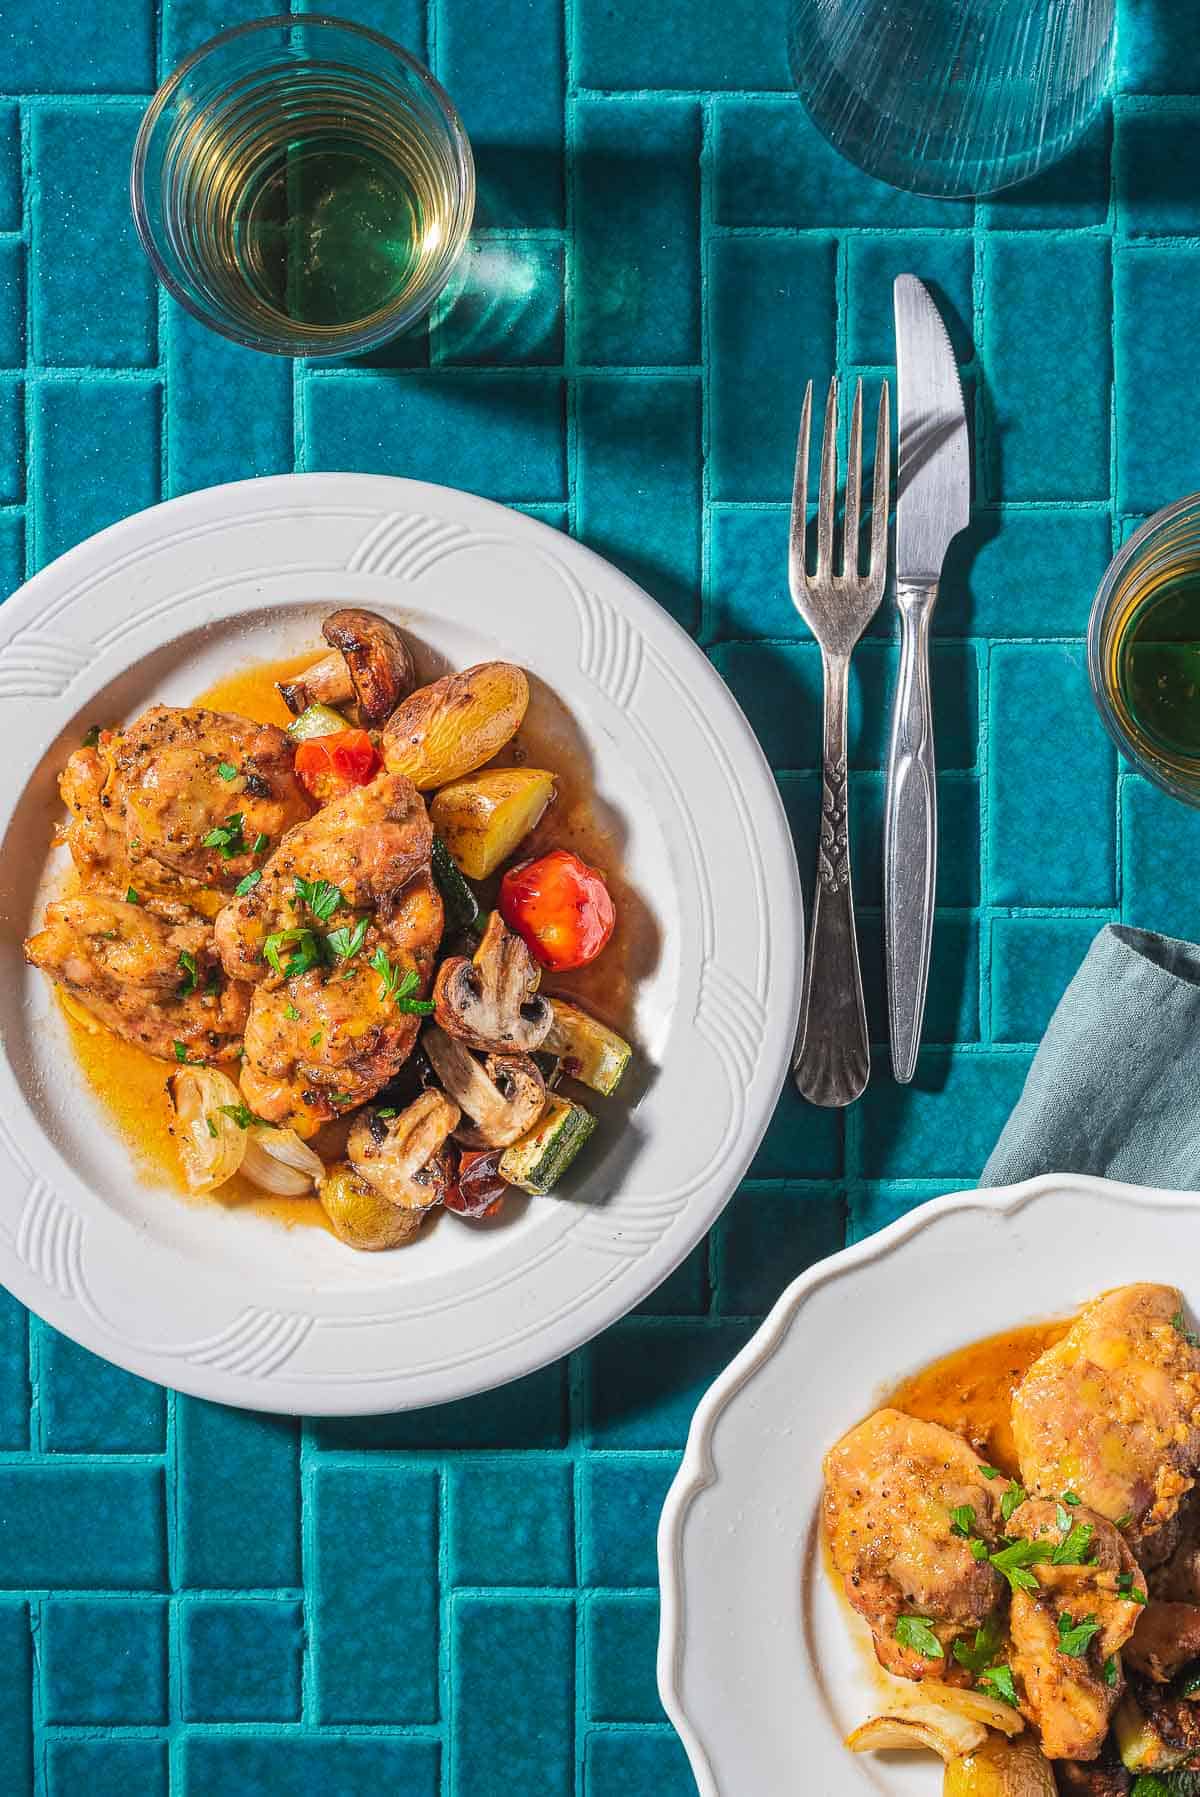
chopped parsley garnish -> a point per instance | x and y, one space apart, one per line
915 1632
998 1682
212 1128
131 897
248 884
1111 1670
92 738
387 1110
346 942
228 837
1012 1500
1015 1560
259 844
181 1055
191 973
400 986
1071 1497
340 1098
315 1041
1128 1590
978 1548
1189 1335
1072 1549
1123 1522
227 770
1074 1637
292 1014
978 1656
307 952
990 1472
321 897
241 1114
962 1520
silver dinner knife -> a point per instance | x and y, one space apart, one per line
933 504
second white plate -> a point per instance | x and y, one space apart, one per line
762 1666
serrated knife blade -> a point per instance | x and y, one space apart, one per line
933 504
933 480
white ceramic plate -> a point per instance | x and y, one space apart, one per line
233 1306
762 1667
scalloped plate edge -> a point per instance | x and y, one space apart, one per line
697 1470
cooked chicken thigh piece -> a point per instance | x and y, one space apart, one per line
1166 1639
1112 1412
326 1040
97 845
1069 1622
367 844
1177 1578
892 1487
197 790
154 981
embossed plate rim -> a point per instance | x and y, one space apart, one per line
622 664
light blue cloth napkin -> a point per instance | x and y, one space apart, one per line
1114 1088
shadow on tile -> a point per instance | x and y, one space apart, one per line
1064 196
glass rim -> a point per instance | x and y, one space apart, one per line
1154 768
389 321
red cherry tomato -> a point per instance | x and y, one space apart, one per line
479 1190
561 907
330 765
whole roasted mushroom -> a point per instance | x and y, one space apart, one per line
399 1156
369 665
504 1096
491 1001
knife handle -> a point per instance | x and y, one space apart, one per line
910 834
833 1060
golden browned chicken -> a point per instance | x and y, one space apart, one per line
1166 1639
97 846
325 1039
1112 1412
155 980
1073 1609
367 845
204 793
897 1496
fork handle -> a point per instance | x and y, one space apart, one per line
833 1059
910 834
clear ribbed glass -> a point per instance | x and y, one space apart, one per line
303 185
952 97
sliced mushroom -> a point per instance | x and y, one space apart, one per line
492 1002
398 1156
504 1095
369 664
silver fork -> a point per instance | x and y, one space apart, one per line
833 1057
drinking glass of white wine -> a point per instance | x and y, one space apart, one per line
303 185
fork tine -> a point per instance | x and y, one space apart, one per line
853 490
797 566
879 494
828 490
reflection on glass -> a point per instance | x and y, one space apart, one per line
952 97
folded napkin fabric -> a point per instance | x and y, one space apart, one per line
1114 1088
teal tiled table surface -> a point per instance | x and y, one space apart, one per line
462 1602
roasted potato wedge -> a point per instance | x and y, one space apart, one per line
1000 1768
360 1216
481 820
448 729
